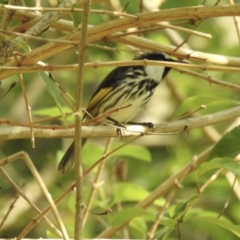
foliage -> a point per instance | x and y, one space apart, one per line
169 186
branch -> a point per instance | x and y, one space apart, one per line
131 130
6 45
50 18
143 43
105 30
82 47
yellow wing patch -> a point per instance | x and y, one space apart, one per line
97 98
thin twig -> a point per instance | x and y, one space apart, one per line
25 197
72 9
6 45
48 19
9 89
8 14
102 31
78 120
67 192
159 217
26 158
187 38
211 80
162 189
11 206
97 64
236 22
95 182
28 109
130 130
162 26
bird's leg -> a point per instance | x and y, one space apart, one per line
118 125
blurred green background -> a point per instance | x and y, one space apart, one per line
162 155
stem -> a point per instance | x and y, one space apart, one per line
78 120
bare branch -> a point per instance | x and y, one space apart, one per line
131 130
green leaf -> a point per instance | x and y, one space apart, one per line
134 151
51 111
183 207
22 44
163 233
139 224
228 145
129 214
51 234
54 92
235 229
169 222
224 223
128 192
91 153
213 104
225 163
76 18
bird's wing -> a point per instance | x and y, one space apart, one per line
98 97
106 86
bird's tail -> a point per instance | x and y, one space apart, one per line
67 160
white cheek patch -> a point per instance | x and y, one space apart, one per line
155 72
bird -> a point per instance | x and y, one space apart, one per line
131 86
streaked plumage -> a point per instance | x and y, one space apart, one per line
133 85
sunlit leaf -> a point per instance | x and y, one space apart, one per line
182 207
228 145
225 163
212 103
234 228
51 111
134 151
91 153
54 92
128 214
22 44
128 192
76 18
140 225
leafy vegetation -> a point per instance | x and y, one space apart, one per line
180 182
